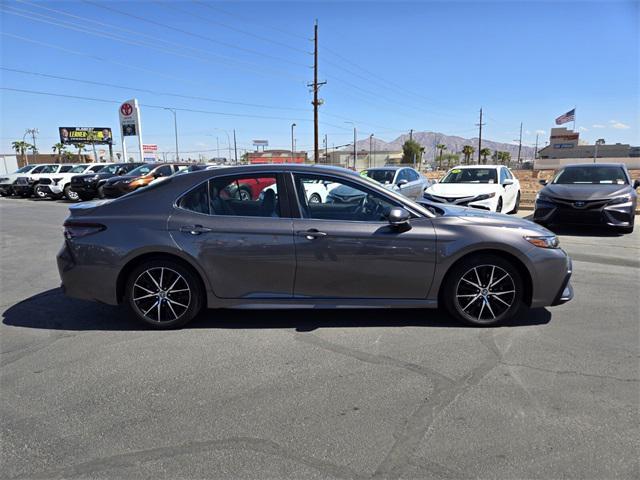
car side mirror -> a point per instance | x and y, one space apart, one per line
121 171
636 184
402 182
398 216
542 182
507 181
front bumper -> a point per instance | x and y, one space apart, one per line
600 213
86 188
23 189
6 188
488 204
565 293
53 190
116 190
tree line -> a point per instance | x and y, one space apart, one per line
21 147
412 152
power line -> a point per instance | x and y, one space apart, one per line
123 87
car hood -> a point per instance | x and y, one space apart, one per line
460 190
486 218
121 177
585 191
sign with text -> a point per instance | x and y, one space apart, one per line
149 147
87 135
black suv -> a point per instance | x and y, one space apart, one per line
90 186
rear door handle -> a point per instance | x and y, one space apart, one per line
311 234
195 229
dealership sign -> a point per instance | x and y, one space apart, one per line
149 147
130 125
90 135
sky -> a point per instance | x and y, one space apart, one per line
389 67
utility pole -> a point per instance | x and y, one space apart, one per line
292 142
175 128
535 151
370 148
480 135
411 134
315 86
326 149
520 143
235 147
355 151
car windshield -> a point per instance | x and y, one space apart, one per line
591 175
471 175
78 169
141 170
25 169
380 175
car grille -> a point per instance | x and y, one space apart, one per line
586 205
45 181
461 201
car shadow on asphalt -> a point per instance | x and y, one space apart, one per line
51 310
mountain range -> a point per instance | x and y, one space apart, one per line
454 144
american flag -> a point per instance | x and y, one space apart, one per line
570 116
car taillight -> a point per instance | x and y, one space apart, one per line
81 229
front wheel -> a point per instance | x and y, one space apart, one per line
39 192
483 290
516 205
315 198
70 194
499 205
163 294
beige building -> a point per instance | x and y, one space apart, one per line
565 147
344 158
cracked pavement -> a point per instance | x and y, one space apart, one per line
359 394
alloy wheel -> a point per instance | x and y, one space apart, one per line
485 292
161 294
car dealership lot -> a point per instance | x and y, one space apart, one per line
87 392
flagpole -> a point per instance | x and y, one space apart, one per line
574 119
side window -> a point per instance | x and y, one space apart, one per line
402 175
164 171
508 173
197 200
65 168
245 196
340 200
503 174
37 170
413 175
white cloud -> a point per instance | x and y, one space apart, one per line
619 125
540 132
202 144
527 132
583 129
597 125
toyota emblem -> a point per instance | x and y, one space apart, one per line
126 109
579 204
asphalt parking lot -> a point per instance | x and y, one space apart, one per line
86 393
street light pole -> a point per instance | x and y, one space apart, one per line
228 140
175 128
355 151
292 141
370 148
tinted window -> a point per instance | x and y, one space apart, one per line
96 168
141 170
48 169
380 175
78 169
594 175
65 168
412 174
25 169
241 196
344 200
164 171
503 174
38 169
508 173
471 175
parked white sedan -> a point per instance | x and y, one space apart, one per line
316 190
488 187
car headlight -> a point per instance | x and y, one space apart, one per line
484 196
543 198
427 195
621 199
2 180
545 241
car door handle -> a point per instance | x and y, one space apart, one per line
311 234
195 229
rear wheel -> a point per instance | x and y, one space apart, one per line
70 194
38 192
315 198
85 197
483 290
163 294
244 193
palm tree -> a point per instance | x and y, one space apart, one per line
441 147
485 152
80 147
468 150
21 148
59 148
507 157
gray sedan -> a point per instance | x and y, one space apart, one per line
168 250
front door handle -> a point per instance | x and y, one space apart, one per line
311 234
195 229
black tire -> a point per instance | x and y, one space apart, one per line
71 195
499 205
245 193
315 198
38 192
171 312
85 197
517 205
468 304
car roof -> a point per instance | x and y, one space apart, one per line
276 168
390 167
477 166
595 165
